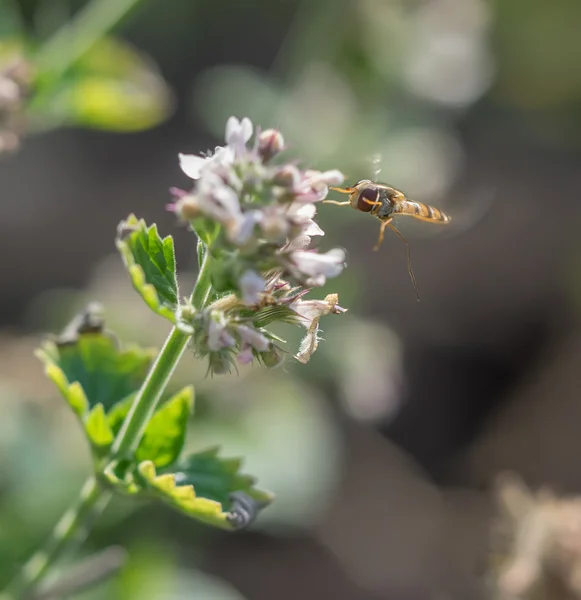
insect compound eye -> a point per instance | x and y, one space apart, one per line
366 199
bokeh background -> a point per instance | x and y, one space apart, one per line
384 449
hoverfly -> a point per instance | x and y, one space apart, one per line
386 203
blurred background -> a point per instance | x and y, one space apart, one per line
384 450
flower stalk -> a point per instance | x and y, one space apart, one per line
255 222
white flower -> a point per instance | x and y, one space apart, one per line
315 185
318 178
288 176
241 229
218 335
318 267
245 356
274 223
251 286
298 243
194 166
253 337
238 133
217 200
302 215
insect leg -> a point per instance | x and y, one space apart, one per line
343 191
409 258
384 224
336 202
372 202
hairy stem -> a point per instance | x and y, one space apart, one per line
160 373
78 520
149 395
203 289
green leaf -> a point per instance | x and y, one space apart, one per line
150 261
105 372
117 414
202 487
98 429
216 478
182 497
206 231
166 432
94 374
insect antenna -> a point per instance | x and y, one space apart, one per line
409 258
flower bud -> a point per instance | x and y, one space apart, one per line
219 363
187 208
273 357
270 143
287 176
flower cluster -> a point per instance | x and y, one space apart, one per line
256 219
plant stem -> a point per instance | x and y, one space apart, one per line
69 531
79 35
148 396
160 373
201 293
93 498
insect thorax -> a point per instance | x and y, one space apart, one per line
385 196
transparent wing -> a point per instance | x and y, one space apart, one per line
375 162
465 206
465 211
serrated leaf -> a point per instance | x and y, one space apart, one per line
216 478
98 429
203 487
72 392
150 261
182 497
104 371
165 434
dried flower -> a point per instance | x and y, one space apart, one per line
542 545
311 312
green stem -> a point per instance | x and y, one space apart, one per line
202 291
93 498
148 396
160 373
69 531
79 35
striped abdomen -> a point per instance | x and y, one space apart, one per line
424 212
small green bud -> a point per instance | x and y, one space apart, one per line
220 363
273 357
